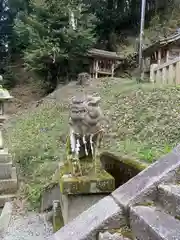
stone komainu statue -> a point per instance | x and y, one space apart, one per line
83 78
86 129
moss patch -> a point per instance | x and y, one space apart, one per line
92 183
123 231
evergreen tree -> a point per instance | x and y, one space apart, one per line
53 45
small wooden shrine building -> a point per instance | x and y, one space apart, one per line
103 63
162 51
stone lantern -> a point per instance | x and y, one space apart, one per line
8 176
4 96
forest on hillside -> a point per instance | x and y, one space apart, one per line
52 36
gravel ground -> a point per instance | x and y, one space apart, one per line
31 226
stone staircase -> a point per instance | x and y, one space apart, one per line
147 206
8 178
161 220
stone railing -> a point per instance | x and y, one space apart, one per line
122 208
167 73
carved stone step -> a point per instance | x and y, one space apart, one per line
9 186
169 198
5 170
5 198
147 223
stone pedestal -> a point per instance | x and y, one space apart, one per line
77 194
8 177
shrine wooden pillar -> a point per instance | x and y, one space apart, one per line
167 55
112 68
96 68
159 56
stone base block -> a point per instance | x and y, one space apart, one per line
101 182
5 157
74 205
5 170
9 186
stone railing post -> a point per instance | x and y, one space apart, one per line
152 73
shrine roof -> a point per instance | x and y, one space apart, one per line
105 54
161 43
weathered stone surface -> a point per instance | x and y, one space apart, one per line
5 170
5 157
58 221
49 196
83 78
86 122
6 198
74 205
109 236
5 217
169 198
147 223
103 214
9 186
103 182
144 184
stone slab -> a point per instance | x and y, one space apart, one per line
102 215
74 205
145 183
9 186
169 198
5 217
5 170
103 182
149 223
49 196
5 198
5 157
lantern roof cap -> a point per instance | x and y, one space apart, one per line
4 94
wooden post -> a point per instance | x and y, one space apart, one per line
143 8
164 75
96 68
158 76
170 74
142 70
177 73
152 73
112 68
159 56
167 55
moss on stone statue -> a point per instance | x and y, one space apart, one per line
99 182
